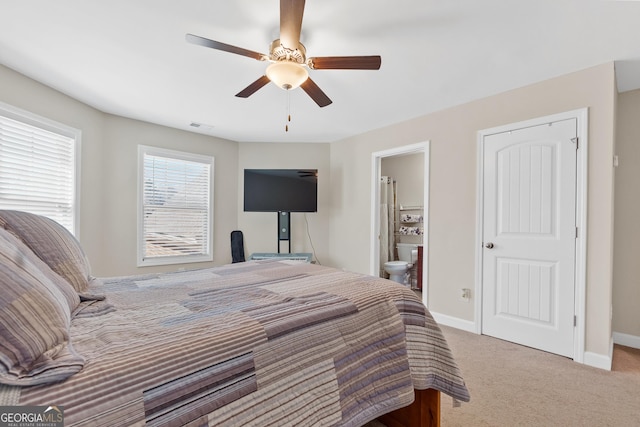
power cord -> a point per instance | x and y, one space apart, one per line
311 241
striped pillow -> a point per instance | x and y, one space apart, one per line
35 347
52 243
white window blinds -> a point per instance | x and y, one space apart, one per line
176 204
37 166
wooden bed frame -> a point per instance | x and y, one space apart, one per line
423 412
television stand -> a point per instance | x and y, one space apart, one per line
284 229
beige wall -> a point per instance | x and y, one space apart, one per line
109 180
260 228
341 229
22 92
452 227
108 174
626 273
122 137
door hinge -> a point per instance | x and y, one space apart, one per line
577 233
576 141
575 320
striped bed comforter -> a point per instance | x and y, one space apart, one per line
262 343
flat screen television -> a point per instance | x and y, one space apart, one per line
280 190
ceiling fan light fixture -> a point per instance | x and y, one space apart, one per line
287 74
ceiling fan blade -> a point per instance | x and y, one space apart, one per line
345 62
315 93
253 87
291 12
224 47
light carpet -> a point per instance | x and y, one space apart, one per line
513 385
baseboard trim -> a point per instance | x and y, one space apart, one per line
597 360
454 322
626 340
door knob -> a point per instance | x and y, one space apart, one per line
489 245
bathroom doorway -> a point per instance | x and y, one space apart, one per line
411 177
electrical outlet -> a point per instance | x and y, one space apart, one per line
465 294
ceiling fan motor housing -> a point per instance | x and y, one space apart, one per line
278 52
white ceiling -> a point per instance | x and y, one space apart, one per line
130 58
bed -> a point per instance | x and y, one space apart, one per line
259 343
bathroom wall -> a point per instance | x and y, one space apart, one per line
408 172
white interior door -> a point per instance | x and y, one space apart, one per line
529 236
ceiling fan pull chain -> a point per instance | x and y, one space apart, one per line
286 127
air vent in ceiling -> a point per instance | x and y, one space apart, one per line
201 126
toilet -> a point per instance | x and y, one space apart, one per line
398 270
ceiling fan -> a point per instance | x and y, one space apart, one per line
288 57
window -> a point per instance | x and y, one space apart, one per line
38 166
175 207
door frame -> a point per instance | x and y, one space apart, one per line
581 115
376 168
